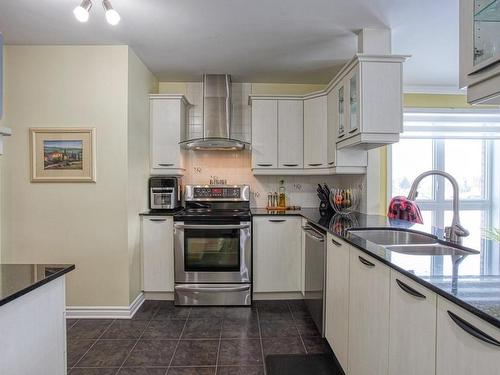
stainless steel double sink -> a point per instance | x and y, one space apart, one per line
409 242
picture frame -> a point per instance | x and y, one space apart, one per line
63 154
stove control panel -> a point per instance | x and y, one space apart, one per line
214 193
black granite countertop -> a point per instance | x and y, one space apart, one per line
471 281
19 279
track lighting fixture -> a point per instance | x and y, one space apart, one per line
112 15
81 12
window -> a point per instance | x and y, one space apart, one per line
462 144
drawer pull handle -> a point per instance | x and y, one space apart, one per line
408 289
331 163
353 130
471 330
314 164
265 165
166 164
366 262
158 220
290 165
276 221
338 244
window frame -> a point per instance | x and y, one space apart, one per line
439 204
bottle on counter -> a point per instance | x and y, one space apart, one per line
275 199
270 199
282 195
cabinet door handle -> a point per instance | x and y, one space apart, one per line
366 262
264 165
276 221
331 163
315 164
166 164
158 220
408 289
474 331
290 165
353 130
338 244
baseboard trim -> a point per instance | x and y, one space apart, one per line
260 296
105 312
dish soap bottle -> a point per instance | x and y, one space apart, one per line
282 195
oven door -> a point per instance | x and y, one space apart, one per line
212 252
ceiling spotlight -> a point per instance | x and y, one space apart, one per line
81 12
112 15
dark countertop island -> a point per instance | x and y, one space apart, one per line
471 281
19 279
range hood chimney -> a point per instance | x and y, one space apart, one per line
216 117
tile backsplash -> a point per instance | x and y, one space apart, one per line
235 168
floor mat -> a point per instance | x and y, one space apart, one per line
301 364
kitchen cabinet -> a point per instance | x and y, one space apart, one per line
290 134
277 254
337 298
158 253
168 116
412 327
480 50
369 93
264 134
465 344
316 132
369 288
346 158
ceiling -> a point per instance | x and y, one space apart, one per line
294 41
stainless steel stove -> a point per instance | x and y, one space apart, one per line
213 246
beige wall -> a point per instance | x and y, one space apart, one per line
81 223
141 82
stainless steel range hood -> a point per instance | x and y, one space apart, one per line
216 117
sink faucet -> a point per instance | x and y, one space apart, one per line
456 231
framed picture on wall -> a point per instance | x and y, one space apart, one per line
63 154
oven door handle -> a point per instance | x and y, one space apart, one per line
204 226
189 288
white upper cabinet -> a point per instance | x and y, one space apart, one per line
369 284
369 94
316 132
480 50
466 345
168 116
264 134
277 247
412 342
290 133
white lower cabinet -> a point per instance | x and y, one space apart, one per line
277 247
412 327
466 345
369 285
158 253
337 298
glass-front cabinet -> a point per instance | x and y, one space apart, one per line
486 32
341 111
353 79
480 50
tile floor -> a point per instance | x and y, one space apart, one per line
162 339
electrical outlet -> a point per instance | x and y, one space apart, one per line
197 170
297 187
